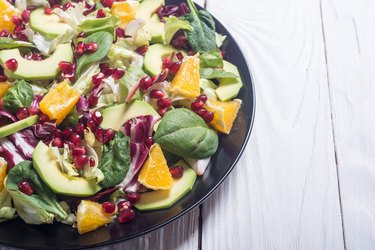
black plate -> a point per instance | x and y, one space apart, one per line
18 234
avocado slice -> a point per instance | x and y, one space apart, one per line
146 11
36 70
18 126
46 165
49 26
229 87
166 198
115 117
154 56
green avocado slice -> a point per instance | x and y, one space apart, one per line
229 87
154 56
18 126
153 25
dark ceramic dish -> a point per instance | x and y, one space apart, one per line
16 233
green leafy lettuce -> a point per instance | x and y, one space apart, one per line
184 133
18 96
10 43
211 66
127 84
39 207
115 160
107 24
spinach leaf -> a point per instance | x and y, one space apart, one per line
203 37
215 73
42 205
104 41
9 43
211 59
115 160
184 133
107 24
18 96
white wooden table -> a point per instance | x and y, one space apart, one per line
307 177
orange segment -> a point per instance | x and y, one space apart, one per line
4 86
125 11
224 114
6 12
155 172
3 172
60 101
90 216
186 83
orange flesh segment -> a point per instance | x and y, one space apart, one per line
7 11
125 11
3 173
90 216
224 114
4 86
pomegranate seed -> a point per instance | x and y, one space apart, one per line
58 133
202 98
109 72
3 78
79 129
18 28
81 48
43 118
81 161
91 47
16 20
92 162
118 74
222 54
180 56
156 94
82 35
36 57
103 67
91 125
196 105
33 111
174 68
25 187
23 113
109 207
133 197
208 117
126 215
145 83
124 205
107 3
4 33
78 151
98 79
164 103
57 142
48 11
57 6
161 112
100 134
142 50
25 16
65 67
21 36
1 103
67 132
167 63
109 134
97 117
75 139
100 14
11 64
68 5
120 32
201 112
177 171
93 100
154 78
149 141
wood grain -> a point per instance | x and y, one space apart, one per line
283 194
350 41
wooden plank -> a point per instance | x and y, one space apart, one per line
283 194
350 41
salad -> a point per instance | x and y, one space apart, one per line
107 108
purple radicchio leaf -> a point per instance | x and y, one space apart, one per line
82 105
134 186
44 131
139 128
10 153
25 141
36 101
6 118
172 10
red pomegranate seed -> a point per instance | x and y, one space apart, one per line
104 67
208 117
109 72
91 47
64 67
33 111
82 35
18 28
202 98
93 100
36 57
149 141
201 112
177 171
43 118
133 197
25 16
77 151
67 132
97 117
174 68
156 94
98 79
91 125
21 36
23 113
126 215
57 142
81 161
161 111
142 50
75 139
57 6
25 187
223 54
1 103
124 205
109 134
107 3
145 83
120 32
3 78
196 105
4 33
180 56
79 129
92 162
167 63
16 20
109 207
80 48
58 133
11 64
100 135
100 14
118 74
48 11
68 5
164 103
